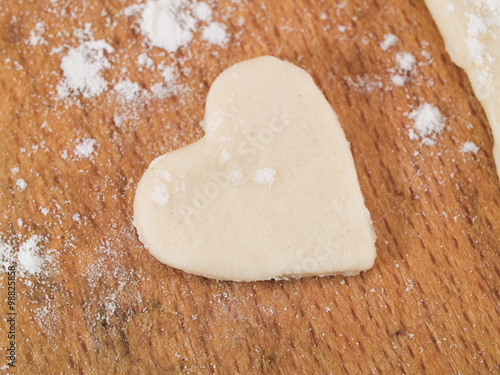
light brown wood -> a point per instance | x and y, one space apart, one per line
430 305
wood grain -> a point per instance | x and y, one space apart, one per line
431 303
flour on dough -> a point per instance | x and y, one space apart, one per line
471 32
270 191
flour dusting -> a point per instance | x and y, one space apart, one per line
21 184
428 121
85 148
7 254
160 194
82 68
170 24
235 175
127 90
215 33
265 176
469 147
167 24
30 262
29 258
389 41
406 61
202 11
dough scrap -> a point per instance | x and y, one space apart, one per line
270 191
471 32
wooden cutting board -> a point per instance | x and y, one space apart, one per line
102 305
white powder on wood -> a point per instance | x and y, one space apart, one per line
29 260
265 176
168 74
21 184
389 41
7 257
202 11
127 90
36 35
215 33
162 91
398 79
406 61
145 61
469 147
85 148
82 68
167 24
428 121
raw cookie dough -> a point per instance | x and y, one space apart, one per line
471 32
270 190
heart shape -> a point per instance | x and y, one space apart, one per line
270 190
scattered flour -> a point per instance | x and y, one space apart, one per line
145 61
265 176
406 61
169 87
398 80
365 83
127 90
428 121
29 260
469 147
485 16
484 19
160 194
215 33
7 256
170 24
224 157
168 74
235 176
85 148
202 11
162 91
21 184
167 24
36 35
132 9
118 120
389 41
82 68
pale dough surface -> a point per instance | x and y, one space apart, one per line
270 190
471 32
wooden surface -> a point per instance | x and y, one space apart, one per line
431 303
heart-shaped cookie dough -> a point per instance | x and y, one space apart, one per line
270 190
